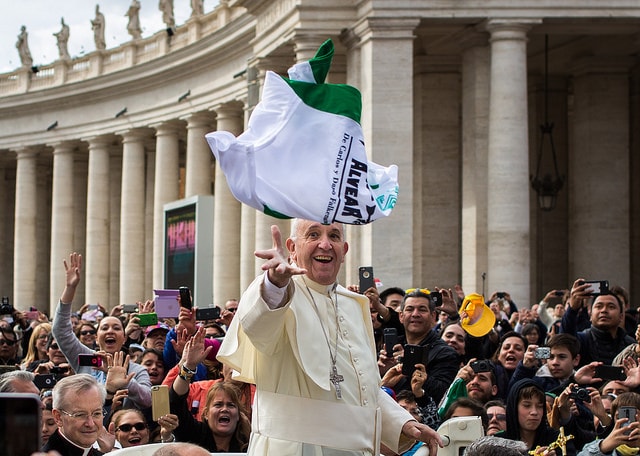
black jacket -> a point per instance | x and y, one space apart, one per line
442 367
64 447
595 344
545 435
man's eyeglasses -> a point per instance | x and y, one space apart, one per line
497 416
82 416
233 309
54 347
7 342
89 332
419 290
127 427
213 336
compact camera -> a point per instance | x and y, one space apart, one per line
6 308
483 365
542 353
578 392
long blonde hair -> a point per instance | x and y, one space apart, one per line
32 352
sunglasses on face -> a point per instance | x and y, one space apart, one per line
233 309
7 342
54 347
89 332
127 427
497 416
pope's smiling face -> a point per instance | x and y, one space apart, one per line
320 249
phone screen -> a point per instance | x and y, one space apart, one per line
20 417
159 401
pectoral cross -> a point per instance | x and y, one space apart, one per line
336 378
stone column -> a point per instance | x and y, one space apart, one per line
437 136
115 184
305 46
7 190
508 163
386 51
62 212
227 211
247 245
166 189
26 217
132 217
599 229
475 129
199 156
43 228
96 261
148 217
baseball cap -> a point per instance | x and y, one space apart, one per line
137 347
160 326
480 319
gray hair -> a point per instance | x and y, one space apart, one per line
76 383
296 222
490 445
8 378
181 449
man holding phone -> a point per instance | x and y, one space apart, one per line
418 315
605 338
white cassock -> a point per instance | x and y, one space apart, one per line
286 353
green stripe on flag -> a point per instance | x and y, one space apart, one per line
340 99
321 62
275 214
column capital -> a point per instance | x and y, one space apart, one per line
306 44
64 147
135 134
199 119
387 28
510 28
101 141
231 109
27 152
170 127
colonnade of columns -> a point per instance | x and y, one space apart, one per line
480 222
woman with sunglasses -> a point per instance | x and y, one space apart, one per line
130 428
56 363
86 333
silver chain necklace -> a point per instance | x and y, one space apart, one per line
334 377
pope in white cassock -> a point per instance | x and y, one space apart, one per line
307 343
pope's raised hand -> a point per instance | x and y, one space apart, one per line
278 268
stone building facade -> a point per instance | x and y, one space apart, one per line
453 93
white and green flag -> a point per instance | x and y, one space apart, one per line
303 152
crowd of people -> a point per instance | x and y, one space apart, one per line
555 377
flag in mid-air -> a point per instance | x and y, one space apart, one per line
303 152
